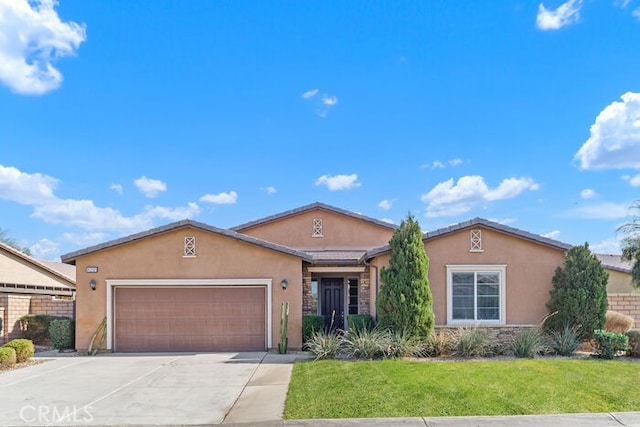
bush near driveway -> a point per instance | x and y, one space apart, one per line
35 327
7 357
634 343
400 388
609 344
62 333
23 347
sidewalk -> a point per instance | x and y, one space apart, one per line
616 419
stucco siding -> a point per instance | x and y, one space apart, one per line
15 270
161 257
338 231
621 283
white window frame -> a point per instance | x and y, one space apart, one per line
501 269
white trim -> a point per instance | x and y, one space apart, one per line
500 268
112 283
355 269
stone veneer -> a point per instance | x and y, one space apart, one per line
628 304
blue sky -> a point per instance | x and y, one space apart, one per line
120 116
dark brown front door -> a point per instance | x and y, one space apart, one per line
332 302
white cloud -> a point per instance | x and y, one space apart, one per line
437 164
329 100
339 182
554 19
117 188
633 181
455 162
615 137
605 210
36 190
270 190
220 199
612 245
385 205
449 199
636 13
45 249
32 38
588 193
552 234
387 220
310 93
85 239
504 221
150 187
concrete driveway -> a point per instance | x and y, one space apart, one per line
147 389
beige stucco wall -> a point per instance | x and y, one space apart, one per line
339 231
620 283
16 270
530 268
161 257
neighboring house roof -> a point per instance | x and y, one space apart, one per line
615 262
72 256
536 238
312 206
42 266
66 270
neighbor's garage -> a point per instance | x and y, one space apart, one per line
190 318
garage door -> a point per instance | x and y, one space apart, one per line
190 319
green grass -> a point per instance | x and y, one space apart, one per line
398 388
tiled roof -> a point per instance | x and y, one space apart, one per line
615 262
316 205
341 256
72 256
66 270
485 223
41 265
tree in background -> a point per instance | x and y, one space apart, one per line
10 241
579 294
631 243
405 303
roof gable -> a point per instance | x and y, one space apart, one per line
501 228
72 256
41 266
310 207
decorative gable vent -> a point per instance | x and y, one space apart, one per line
317 228
189 246
476 241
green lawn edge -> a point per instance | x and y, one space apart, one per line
401 388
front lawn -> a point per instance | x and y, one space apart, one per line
399 388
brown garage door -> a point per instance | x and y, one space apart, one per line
190 319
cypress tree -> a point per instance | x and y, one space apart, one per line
579 294
405 302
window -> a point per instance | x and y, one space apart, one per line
317 228
476 294
476 241
189 246
353 296
314 295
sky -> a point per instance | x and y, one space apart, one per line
123 115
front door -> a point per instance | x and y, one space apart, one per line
332 302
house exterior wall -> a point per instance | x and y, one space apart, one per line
338 231
530 268
626 303
161 257
15 270
621 283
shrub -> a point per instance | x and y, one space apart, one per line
526 342
402 344
472 342
325 345
563 342
634 343
439 344
579 293
617 322
310 324
35 327
7 357
366 344
360 321
23 347
608 344
62 333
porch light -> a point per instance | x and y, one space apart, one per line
92 284
284 284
